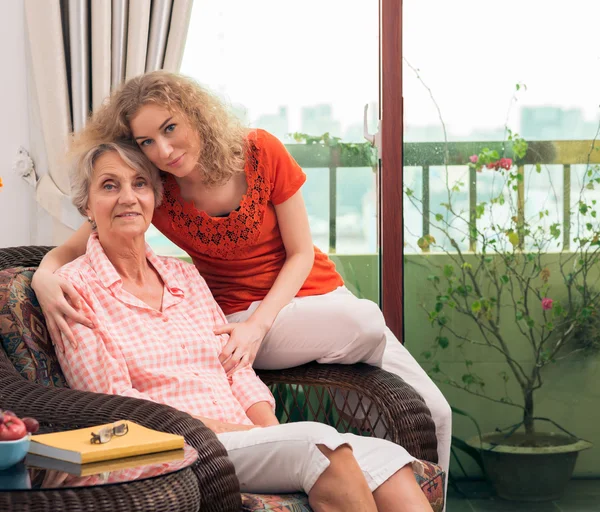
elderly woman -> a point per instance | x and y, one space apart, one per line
153 338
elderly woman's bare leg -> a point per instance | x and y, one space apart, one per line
342 486
401 493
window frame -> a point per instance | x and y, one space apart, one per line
391 232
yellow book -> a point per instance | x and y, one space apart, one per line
75 445
94 468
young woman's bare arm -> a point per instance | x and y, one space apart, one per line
67 252
245 338
57 296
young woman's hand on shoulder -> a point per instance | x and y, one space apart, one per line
57 297
59 300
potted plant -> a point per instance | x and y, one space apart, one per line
521 282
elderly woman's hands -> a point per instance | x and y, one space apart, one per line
243 344
59 300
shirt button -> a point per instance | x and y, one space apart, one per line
215 402
182 345
165 319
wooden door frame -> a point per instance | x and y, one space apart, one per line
391 229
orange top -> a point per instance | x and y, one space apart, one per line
240 255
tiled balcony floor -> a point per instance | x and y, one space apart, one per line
580 496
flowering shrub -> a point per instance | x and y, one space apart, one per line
519 272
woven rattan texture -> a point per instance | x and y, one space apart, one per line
178 491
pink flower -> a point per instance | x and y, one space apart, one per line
503 163
547 303
474 159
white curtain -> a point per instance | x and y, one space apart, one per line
79 50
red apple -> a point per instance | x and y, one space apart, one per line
11 428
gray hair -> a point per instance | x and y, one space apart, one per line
83 171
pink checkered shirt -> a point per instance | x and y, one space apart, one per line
168 356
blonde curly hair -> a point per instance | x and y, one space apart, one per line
222 135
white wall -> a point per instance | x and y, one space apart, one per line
22 222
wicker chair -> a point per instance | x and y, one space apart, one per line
382 404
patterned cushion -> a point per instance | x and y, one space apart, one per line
275 502
23 332
432 480
430 477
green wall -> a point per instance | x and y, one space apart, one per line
571 391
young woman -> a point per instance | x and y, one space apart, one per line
232 201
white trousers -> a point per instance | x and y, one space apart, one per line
340 328
285 458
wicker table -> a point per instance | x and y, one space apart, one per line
150 485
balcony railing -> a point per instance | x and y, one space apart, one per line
425 155
563 153
312 156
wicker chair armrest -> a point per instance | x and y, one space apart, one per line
386 406
24 256
62 409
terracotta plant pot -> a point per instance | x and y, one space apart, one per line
524 473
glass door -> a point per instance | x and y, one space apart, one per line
502 187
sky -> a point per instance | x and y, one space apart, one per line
471 53
268 53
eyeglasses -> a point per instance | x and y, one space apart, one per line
105 434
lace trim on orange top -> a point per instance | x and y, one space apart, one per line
222 237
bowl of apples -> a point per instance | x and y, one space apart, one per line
15 435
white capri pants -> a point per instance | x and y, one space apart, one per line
285 458
340 328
